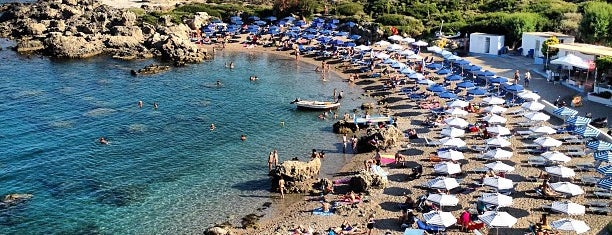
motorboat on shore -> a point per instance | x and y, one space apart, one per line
315 105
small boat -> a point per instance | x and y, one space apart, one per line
315 105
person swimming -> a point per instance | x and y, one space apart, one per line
103 141
212 127
155 105
231 65
140 103
243 137
218 83
253 78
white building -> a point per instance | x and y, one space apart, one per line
532 42
483 43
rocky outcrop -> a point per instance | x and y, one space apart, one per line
344 127
79 29
218 230
14 199
383 138
299 177
151 69
366 181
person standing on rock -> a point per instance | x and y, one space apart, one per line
270 161
344 143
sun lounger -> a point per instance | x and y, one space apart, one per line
602 194
431 143
524 133
599 210
480 170
576 154
537 161
597 204
589 180
530 146
575 141
584 166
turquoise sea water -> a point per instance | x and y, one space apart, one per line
164 170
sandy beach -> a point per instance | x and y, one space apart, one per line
294 211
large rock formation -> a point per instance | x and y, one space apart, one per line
299 176
79 29
383 138
366 181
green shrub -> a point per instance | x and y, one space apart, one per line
349 9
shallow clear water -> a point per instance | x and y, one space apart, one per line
164 170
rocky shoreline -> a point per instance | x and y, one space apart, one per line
81 29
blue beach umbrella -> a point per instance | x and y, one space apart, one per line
260 22
436 88
354 37
498 80
235 18
578 121
324 39
336 42
216 21
326 32
443 71
586 131
466 84
605 170
485 73
253 18
318 20
514 88
330 26
434 66
310 30
300 23
334 21
448 95
476 92
603 156
417 76
270 18
461 62
472 68
389 61
350 44
565 111
308 36
341 34
453 77
407 71
605 184
599 145
289 18
291 34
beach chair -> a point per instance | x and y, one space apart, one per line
585 166
597 204
599 210
576 154
431 143
600 193
537 161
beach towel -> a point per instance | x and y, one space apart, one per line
387 159
342 181
319 211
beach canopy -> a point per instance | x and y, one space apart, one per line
495 119
451 155
456 112
408 40
566 188
447 95
565 111
498 154
363 48
605 184
577 226
528 95
497 219
452 132
560 171
498 80
407 52
420 43
424 81
435 49
493 100
456 122
434 66
453 142
436 88
485 73
586 131
568 207
599 145
495 109
461 62
477 92
513 88
498 142
603 156
571 60
466 84
499 167
556 156
499 130
533 106
382 43
542 130
439 218
448 168
453 77
578 121
605 170
496 199
498 183
443 199
443 183
547 142
395 47
458 103
536 116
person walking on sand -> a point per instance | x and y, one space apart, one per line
370 224
527 78
281 187
517 76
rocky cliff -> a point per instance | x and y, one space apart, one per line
84 28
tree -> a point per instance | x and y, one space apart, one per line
595 26
547 50
349 9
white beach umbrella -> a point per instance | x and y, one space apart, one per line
456 112
447 168
498 142
499 166
381 55
454 142
424 81
556 156
362 48
395 37
560 171
528 95
458 104
499 130
408 40
456 122
451 155
498 219
394 47
547 142
439 218
533 106
498 154
543 130
536 116
420 43
495 119
577 226
495 109
419 76
493 100
435 49
496 199
406 52
566 188
414 57
568 207
443 183
443 199
382 43
452 132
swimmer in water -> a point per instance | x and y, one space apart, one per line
243 137
212 127
103 141
231 65
218 83
140 103
155 105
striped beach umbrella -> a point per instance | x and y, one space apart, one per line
443 183
586 131
568 207
566 188
578 121
577 226
565 111
447 168
605 170
498 183
439 218
497 219
603 156
560 171
443 199
599 145
496 199
605 184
